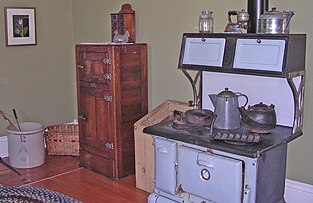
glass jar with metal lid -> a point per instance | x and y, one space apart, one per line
206 22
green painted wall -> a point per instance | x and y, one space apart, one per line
39 81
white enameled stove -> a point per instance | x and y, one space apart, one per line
190 166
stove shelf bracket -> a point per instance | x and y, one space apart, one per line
193 81
298 97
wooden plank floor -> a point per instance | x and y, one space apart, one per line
63 174
53 165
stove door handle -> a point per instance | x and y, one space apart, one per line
162 150
205 163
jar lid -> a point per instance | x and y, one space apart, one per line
206 14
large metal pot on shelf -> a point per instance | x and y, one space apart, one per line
275 22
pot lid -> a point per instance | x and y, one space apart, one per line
227 93
262 107
272 14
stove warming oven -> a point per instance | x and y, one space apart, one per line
192 166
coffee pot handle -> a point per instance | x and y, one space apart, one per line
245 96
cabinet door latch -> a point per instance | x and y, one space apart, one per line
109 145
82 117
93 85
106 61
108 98
107 76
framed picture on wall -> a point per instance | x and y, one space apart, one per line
20 26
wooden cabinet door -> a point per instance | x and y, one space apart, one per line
94 66
95 111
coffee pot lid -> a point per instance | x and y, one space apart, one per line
227 93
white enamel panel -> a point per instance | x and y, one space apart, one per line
212 177
154 198
268 90
204 51
264 54
165 159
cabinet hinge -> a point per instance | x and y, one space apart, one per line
107 76
176 165
109 145
106 61
108 98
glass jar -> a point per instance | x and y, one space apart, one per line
206 22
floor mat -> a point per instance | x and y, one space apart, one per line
28 194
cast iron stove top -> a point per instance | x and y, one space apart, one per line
200 135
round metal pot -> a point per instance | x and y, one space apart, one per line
270 26
199 116
271 22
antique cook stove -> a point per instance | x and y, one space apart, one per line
193 164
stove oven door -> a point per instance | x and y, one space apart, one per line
212 177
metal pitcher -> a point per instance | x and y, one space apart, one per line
275 22
226 106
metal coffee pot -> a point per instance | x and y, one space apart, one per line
226 106
275 22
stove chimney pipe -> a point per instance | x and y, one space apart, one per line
255 9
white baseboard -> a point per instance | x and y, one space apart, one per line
295 192
4 146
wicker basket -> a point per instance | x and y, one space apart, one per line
62 139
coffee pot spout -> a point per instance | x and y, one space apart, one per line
288 16
213 98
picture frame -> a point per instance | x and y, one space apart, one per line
20 26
